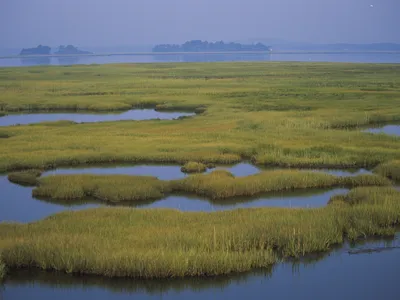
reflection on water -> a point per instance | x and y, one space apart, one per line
328 57
328 276
134 114
18 205
69 60
35 61
388 129
292 199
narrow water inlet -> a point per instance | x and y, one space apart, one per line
79 117
171 172
393 130
18 205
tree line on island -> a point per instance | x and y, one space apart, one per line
46 50
200 46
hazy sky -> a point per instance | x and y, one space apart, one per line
25 23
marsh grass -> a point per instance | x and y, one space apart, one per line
2 269
286 114
115 188
194 167
25 178
219 184
389 169
163 243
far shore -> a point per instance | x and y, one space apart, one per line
197 53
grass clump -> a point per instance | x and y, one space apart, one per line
167 243
2 269
194 167
222 184
372 195
25 178
389 169
116 188
219 184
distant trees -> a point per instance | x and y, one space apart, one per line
70 50
200 46
45 50
39 50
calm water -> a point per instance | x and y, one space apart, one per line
331 276
170 172
296 199
388 129
339 57
17 203
134 114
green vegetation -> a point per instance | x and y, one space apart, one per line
390 169
287 114
282 114
194 167
26 177
222 184
114 188
2 270
219 184
168 243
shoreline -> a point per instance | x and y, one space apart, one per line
198 53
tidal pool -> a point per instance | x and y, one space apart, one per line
134 114
367 271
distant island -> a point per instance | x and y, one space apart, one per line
200 46
39 50
70 50
46 50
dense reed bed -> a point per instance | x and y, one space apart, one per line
287 114
194 167
167 243
2 270
218 184
222 184
26 177
389 169
114 188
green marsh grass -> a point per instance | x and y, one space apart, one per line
164 243
222 184
26 177
286 114
194 167
389 169
2 269
115 188
219 184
